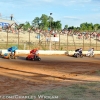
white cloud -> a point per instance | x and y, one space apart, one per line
71 17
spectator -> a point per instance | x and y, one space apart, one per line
11 16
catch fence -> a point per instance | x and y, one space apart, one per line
29 40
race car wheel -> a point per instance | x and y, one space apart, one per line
77 56
39 59
33 59
81 56
26 58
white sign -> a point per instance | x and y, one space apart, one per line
52 39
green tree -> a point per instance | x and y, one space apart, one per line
36 21
58 25
83 26
44 19
86 27
45 22
96 27
71 28
66 27
26 26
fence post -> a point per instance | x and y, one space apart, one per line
19 27
59 40
29 39
7 39
74 41
67 41
96 41
45 45
24 46
18 38
83 41
55 45
7 28
90 40
50 42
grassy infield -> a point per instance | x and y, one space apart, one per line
86 91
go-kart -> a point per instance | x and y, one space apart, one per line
33 57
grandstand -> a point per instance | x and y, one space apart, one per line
5 21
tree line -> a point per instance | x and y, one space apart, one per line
46 22
85 27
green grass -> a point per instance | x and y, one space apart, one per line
88 91
98 72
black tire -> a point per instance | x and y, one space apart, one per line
9 57
39 59
81 56
93 56
26 58
90 56
15 57
77 56
33 59
12 57
73 55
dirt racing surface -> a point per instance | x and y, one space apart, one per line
21 77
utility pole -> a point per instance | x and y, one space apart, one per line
50 30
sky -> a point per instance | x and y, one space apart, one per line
69 12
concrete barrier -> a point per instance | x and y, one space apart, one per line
46 52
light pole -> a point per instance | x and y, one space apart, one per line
50 30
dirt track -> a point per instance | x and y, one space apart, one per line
21 77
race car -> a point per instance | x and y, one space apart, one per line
34 55
11 54
78 53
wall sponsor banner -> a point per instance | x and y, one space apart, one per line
3 24
55 39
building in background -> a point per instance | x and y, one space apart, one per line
5 22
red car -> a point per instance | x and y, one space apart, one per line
33 56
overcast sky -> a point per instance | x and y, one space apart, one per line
70 12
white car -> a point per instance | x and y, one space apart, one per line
90 53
